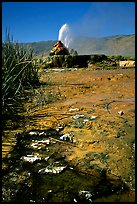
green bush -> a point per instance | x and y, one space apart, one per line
97 58
18 72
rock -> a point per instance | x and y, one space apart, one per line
32 133
85 195
128 63
60 127
30 158
39 143
73 109
42 134
120 113
134 147
93 117
85 120
54 169
78 116
67 137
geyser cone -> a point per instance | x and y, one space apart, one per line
59 49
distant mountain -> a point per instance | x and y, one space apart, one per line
113 45
40 48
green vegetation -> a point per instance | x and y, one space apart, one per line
80 61
120 58
18 72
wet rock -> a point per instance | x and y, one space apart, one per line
67 137
94 164
85 120
17 134
93 117
32 133
60 127
77 116
120 113
52 169
42 134
30 158
73 109
86 195
38 144
133 147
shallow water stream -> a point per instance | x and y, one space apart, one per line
38 172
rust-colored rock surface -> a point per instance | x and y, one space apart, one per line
98 108
59 49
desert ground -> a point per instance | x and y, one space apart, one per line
97 109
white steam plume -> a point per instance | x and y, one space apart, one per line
65 35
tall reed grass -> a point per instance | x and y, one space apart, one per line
18 72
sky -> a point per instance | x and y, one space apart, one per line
41 21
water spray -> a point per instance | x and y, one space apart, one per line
65 35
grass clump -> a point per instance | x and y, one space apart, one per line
18 72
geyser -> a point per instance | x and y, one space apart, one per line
65 35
